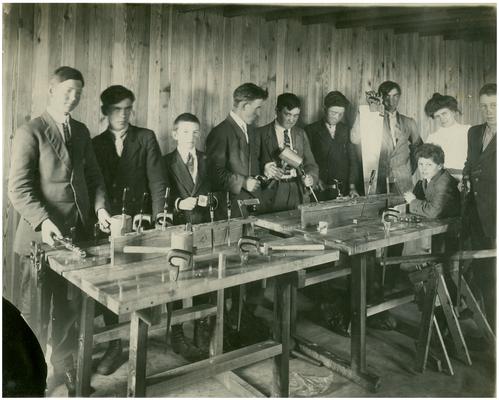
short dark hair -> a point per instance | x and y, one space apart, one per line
113 95
489 89
336 99
288 100
249 92
438 101
431 151
387 86
186 117
65 73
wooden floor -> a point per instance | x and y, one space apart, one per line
390 354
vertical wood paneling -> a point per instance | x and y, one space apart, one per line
191 62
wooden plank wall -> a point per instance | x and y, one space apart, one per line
192 62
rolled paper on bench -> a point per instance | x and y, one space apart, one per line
117 227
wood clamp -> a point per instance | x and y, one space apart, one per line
165 218
185 258
246 243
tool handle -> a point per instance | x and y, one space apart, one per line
297 247
179 255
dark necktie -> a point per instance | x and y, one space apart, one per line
287 140
67 138
425 184
190 164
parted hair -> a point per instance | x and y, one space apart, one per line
287 100
113 95
65 73
249 92
431 151
185 117
489 89
387 86
438 101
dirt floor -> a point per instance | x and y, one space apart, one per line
389 354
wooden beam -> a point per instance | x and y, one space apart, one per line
410 15
412 26
238 10
486 36
196 7
299 12
357 16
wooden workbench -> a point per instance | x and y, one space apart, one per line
358 241
137 287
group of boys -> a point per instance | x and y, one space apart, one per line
60 178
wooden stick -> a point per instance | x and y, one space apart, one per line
146 249
298 247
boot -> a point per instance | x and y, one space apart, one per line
112 359
203 329
182 347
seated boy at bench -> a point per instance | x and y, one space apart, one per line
187 174
436 195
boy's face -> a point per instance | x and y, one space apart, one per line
118 114
428 168
391 100
288 118
65 96
186 134
251 110
334 114
488 108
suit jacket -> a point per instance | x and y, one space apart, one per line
440 199
231 160
269 150
398 161
140 168
45 182
182 186
480 169
335 157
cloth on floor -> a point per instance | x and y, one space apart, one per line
301 385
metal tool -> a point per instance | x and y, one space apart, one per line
291 158
464 196
123 208
68 244
96 233
248 206
247 243
371 181
141 213
213 205
389 216
165 218
229 212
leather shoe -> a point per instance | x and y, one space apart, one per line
202 333
182 347
70 382
335 319
112 359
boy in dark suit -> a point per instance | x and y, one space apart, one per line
436 195
290 189
55 184
330 142
480 181
232 149
130 157
187 174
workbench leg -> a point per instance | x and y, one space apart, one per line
137 361
452 321
217 336
359 313
426 324
85 347
294 308
282 310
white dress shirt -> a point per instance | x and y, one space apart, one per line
59 120
393 124
279 130
331 129
184 154
119 139
454 142
241 124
